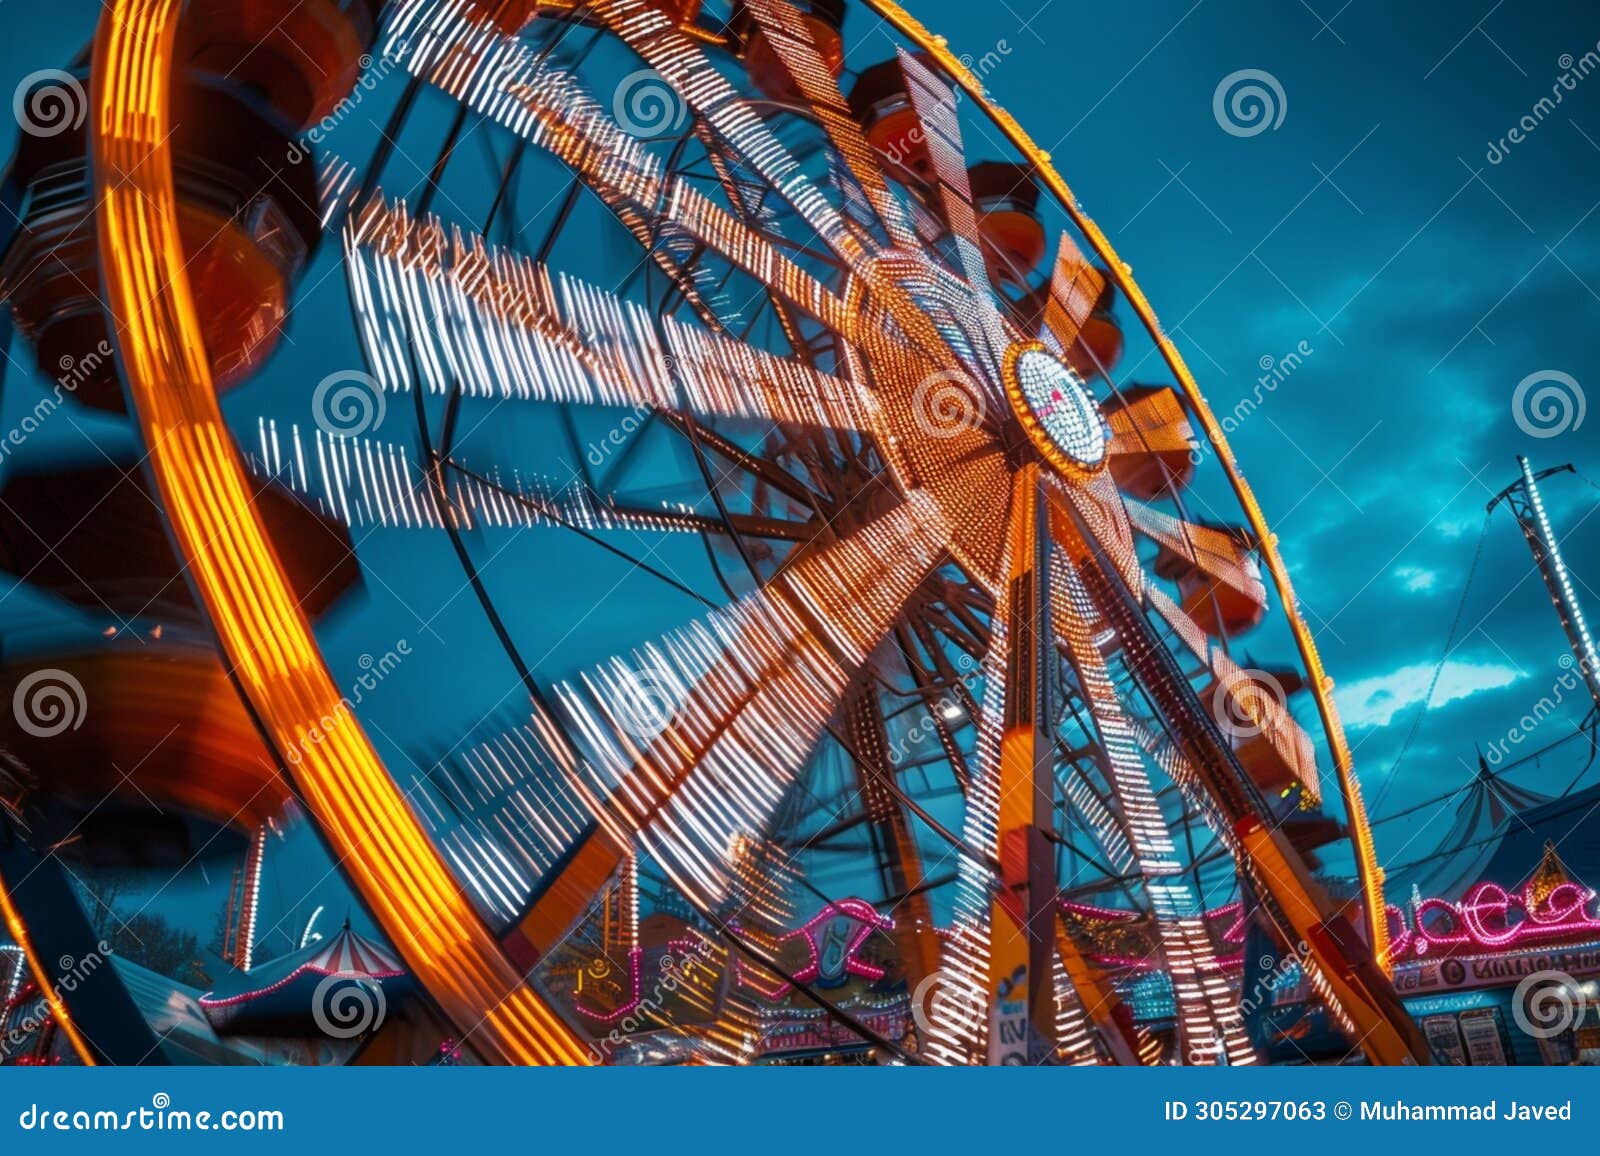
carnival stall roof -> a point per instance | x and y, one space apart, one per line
1570 824
185 1035
293 995
1491 816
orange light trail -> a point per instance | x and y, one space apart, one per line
58 1009
264 635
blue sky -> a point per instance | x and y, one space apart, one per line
1369 227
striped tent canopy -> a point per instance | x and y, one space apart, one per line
1490 814
350 954
283 996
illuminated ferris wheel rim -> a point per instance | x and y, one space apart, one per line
197 412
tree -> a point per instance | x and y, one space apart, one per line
152 942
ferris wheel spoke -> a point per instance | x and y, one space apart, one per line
691 744
1211 1029
935 106
1214 566
683 64
1270 744
959 1032
790 39
366 483
1005 932
492 323
1102 510
1344 971
504 79
1076 288
901 867
1152 452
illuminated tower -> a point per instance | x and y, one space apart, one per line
1528 506
244 897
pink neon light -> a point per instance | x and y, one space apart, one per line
857 909
635 959
864 914
303 969
1492 917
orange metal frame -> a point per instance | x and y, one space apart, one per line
264 635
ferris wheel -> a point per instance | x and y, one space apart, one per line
720 437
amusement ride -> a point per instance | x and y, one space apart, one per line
693 526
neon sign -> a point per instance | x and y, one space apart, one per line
1494 918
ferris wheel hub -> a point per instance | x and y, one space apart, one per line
1055 410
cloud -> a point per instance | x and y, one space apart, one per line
1374 702
1416 579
